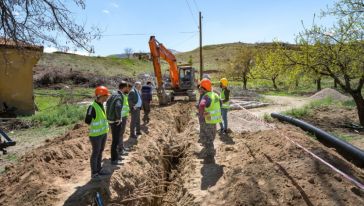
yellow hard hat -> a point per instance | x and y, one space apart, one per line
224 82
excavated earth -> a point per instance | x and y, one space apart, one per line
254 165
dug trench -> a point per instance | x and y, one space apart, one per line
254 166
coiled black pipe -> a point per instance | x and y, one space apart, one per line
351 151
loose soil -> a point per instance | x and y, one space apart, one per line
330 93
338 121
254 165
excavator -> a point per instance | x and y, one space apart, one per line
182 78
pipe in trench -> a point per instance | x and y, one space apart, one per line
352 152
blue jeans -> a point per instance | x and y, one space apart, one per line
224 123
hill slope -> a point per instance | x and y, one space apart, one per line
103 66
218 57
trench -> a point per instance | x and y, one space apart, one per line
160 181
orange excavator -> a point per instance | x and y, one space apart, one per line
182 78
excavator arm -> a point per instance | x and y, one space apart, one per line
157 51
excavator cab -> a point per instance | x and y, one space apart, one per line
186 83
181 79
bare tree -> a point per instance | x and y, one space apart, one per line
44 22
128 52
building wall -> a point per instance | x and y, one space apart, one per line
16 79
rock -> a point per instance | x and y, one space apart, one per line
311 180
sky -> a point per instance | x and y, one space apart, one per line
175 22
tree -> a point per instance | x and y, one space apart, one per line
190 61
44 22
338 51
242 64
269 66
128 52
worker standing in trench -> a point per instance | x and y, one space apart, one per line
225 97
117 110
209 115
99 127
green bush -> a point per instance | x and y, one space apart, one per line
298 112
59 116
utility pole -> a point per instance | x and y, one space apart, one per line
200 28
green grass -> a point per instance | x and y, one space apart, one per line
308 109
11 157
60 115
268 118
59 110
345 137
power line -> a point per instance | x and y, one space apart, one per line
144 34
198 9
189 8
184 41
126 34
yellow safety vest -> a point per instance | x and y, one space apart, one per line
214 109
99 125
126 109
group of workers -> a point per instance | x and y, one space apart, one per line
212 109
126 100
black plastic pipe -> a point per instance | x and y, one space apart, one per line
353 152
7 142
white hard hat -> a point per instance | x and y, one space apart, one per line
207 76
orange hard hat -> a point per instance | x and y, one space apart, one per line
101 91
206 84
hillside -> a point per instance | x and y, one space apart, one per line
104 66
60 67
63 68
218 57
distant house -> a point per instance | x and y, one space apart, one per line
16 76
141 56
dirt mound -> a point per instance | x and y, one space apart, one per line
36 178
264 168
330 93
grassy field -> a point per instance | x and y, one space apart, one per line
105 66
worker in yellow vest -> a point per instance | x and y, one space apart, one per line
209 109
99 127
225 99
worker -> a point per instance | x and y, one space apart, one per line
122 150
209 115
224 96
115 111
146 99
135 104
99 127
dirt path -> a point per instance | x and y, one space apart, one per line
280 103
254 165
